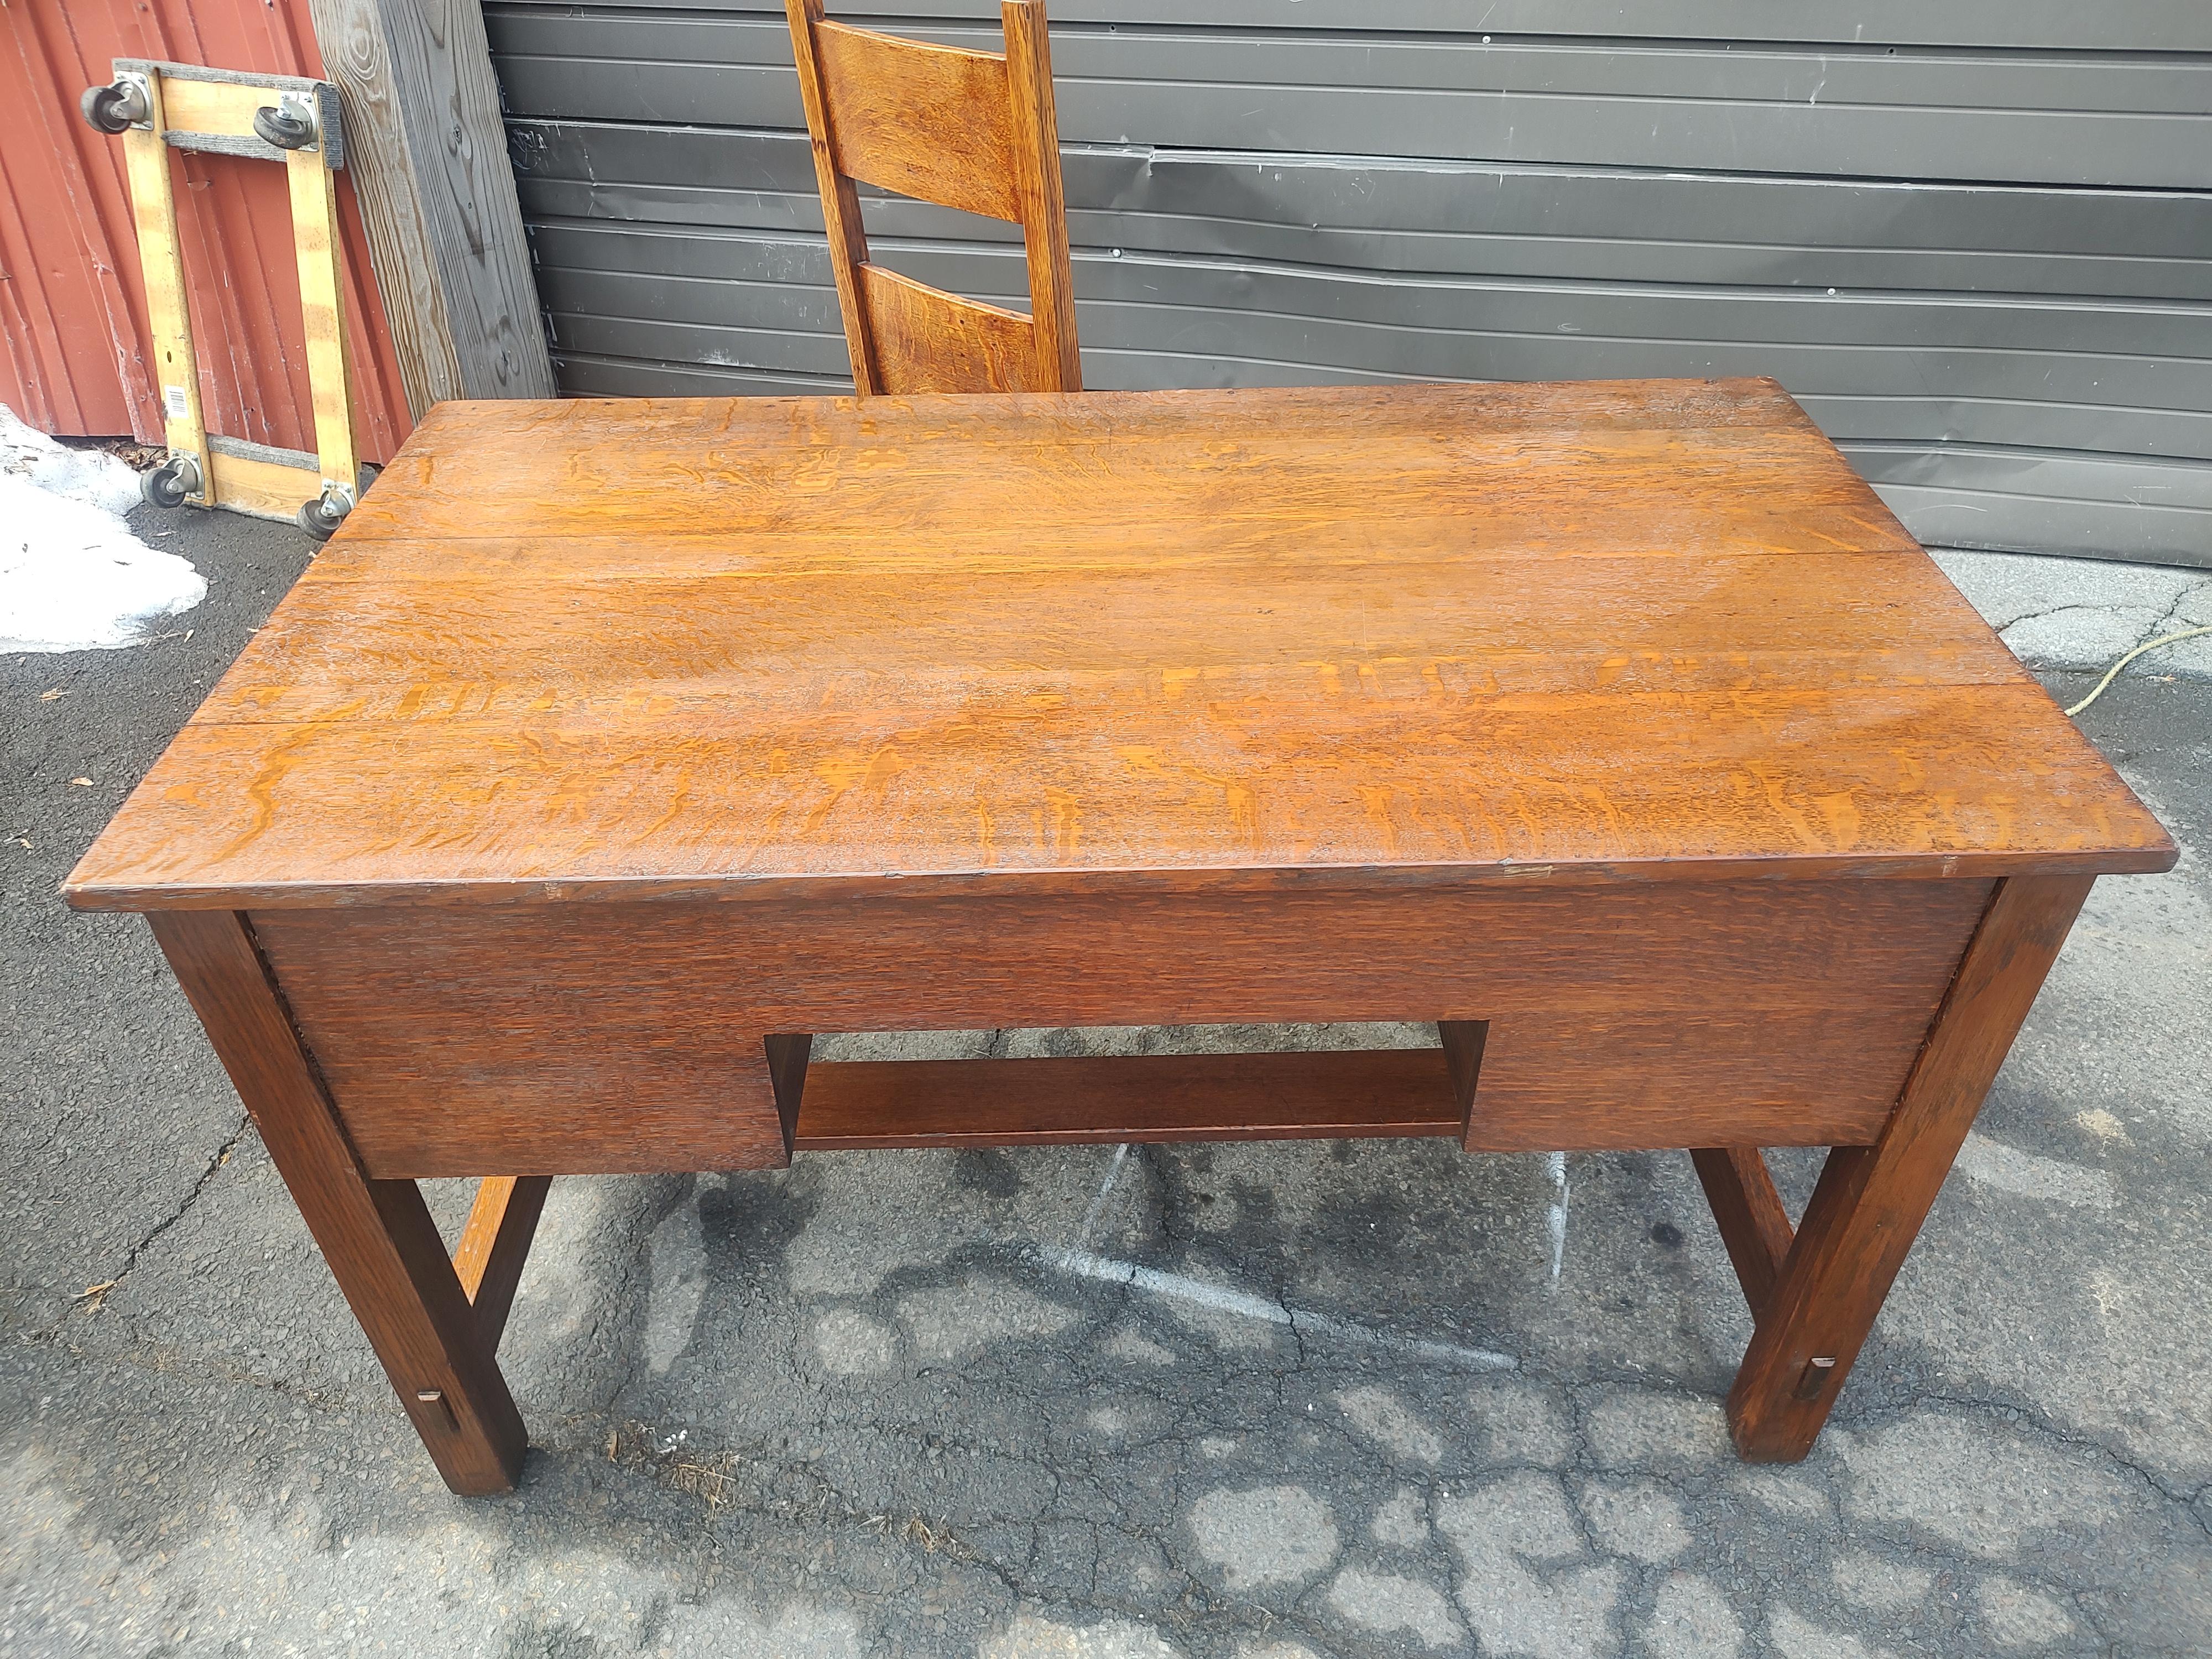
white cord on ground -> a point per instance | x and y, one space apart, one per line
2113 672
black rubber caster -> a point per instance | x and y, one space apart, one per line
114 109
169 484
288 126
323 515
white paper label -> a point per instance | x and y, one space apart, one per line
174 400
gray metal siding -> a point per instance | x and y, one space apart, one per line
1977 246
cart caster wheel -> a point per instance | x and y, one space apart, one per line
323 515
167 484
288 126
114 109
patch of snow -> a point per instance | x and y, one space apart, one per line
72 576
83 475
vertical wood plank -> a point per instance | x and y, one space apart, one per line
377 1235
787 1055
428 152
1039 186
840 203
1871 1201
322 311
1748 1211
1463 1040
168 316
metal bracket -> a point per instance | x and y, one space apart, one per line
136 84
125 102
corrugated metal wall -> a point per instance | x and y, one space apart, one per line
72 302
1972 237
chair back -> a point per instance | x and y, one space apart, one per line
968 129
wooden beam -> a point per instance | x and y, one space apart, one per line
861 1105
787 1055
1462 1041
495 1244
264 488
322 311
377 1235
223 106
168 315
1871 1201
1753 1225
428 152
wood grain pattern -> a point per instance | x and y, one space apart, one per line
966 130
217 106
378 1236
1430 633
1096 790
1240 630
314 190
263 489
572 1038
1748 1211
1332 471
932 122
427 155
1871 1201
867 1105
840 201
494 1246
922 339
1039 192
1654 1072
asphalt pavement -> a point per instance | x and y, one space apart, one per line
1267 1401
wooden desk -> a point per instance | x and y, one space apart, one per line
612 747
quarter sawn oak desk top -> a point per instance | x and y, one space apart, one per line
611 750
655 649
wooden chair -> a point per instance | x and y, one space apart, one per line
968 129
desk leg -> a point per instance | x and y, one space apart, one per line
377 1235
1870 1201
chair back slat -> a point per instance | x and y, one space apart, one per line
924 339
969 130
930 122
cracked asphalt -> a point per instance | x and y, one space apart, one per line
1267 1401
